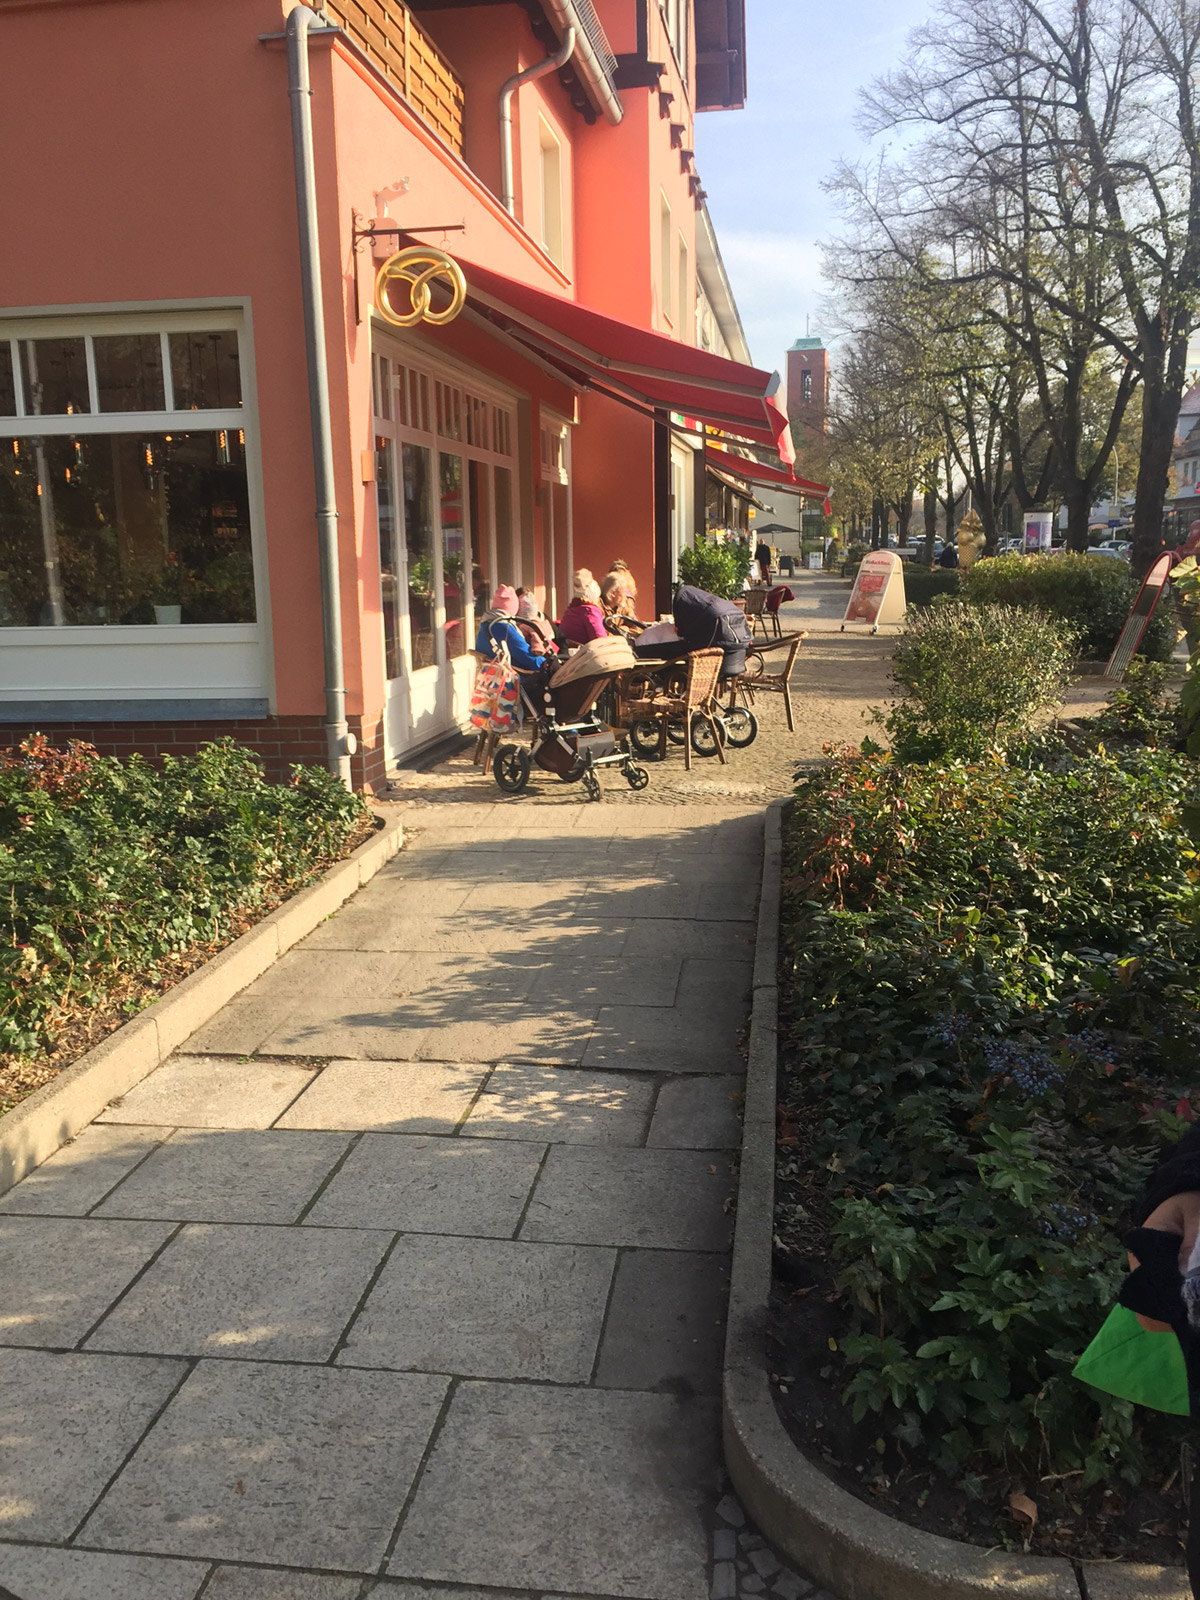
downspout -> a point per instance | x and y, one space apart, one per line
340 742
551 64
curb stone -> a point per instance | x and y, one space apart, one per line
850 1548
36 1127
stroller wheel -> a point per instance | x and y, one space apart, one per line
591 785
637 777
741 727
643 737
675 731
511 768
703 742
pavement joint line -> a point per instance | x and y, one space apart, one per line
329 1176
489 1072
618 1257
363 1298
168 1133
205 1581
430 1445
136 1279
189 1366
537 1178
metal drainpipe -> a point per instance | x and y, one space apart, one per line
340 742
551 64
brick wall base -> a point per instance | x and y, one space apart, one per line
280 741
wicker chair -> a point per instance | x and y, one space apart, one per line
754 603
697 700
757 680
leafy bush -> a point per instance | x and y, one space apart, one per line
1094 593
110 868
1137 708
974 678
989 1026
925 584
719 568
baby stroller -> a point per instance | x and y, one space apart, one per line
569 740
703 621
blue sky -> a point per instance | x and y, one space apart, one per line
763 166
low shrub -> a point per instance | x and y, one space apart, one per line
721 569
974 678
1093 593
922 585
988 1028
109 869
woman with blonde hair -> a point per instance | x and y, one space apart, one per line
584 619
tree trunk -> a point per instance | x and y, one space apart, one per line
930 506
877 516
1161 395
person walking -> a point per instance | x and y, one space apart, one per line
762 554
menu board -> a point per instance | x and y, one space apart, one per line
878 593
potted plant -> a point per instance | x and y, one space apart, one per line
166 592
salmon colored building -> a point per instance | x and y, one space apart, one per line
245 488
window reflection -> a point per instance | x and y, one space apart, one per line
389 556
454 552
125 528
205 371
54 374
8 387
418 533
129 374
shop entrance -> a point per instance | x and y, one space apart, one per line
445 481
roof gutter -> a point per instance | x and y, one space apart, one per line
593 60
340 742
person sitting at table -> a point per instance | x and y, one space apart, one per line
620 571
583 619
534 624
496 628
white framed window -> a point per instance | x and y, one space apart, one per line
685 298
125 488
676 20
666 265
550 160
446 486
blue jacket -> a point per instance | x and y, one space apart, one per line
519 653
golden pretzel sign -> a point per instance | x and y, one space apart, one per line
419 268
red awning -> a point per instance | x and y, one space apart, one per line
645 369
760 472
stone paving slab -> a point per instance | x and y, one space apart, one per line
561 1105
569 983
305 974
512 1032
282 1294
60 1274
665 1199
80 1174
348 1025
651 1038
485 1308
38 1573
229 1175
387 1096
431 1185
658 939
666 1325
201 1092
697 1114
257 1583
67 1422
299 1466
564 1489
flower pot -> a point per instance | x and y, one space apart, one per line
165 616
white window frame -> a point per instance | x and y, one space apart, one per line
553 209
114 665
666 266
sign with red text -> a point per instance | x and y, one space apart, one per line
878 593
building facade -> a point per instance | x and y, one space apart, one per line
259 476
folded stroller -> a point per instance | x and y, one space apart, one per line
569 739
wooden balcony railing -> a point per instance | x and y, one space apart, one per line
387 32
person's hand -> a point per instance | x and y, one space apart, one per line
1180 1214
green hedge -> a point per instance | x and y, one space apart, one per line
1092 592
923 584
109 869
987 1020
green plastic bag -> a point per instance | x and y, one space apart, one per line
1136 1364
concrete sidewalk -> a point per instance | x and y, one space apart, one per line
411 1271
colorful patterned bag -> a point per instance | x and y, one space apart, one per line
495 696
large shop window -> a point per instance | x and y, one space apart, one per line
445 490
123 485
